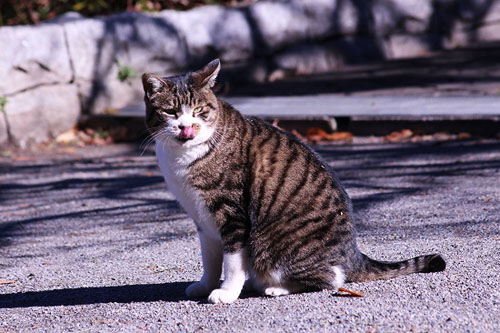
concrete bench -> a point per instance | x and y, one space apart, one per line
312 107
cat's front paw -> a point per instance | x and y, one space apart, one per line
223 296
198 290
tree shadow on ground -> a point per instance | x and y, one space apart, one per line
93 189
135 190
386 173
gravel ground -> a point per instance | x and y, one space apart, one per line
94 242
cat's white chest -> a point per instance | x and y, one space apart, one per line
174 165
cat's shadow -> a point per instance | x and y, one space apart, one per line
167 292
170 292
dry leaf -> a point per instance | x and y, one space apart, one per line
464 136
441 136
21 158
316 134
399 136
2 282
67 137
351 292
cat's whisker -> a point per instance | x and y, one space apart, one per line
145 144
149 140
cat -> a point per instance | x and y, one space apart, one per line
267 208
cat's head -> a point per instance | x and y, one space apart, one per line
182 109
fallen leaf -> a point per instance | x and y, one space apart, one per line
464 136
399 136
2 282
316 134
66 150
441 136
21 158
111 111
351 292
67 137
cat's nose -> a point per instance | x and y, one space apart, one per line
181 127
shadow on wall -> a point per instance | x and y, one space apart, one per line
442 24
120 43
462 67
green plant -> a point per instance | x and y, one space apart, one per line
125 72
3 103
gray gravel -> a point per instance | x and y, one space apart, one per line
95 243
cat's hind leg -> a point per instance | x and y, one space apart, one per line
282 290
277 287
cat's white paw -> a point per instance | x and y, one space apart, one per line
223 296
197 290
276 291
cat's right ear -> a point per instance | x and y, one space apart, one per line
153 84
206 76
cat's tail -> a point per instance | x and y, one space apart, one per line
369 269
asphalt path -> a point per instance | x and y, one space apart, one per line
94 242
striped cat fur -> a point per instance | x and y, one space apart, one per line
268 209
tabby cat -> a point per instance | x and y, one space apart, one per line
267 208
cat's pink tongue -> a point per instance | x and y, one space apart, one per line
187 132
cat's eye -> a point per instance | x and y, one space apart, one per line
197 109
168 112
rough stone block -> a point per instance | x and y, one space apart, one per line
464 34
42 113
326 57
107 95
401 16
408 46
133 39
138 41
487 33
479 11
214 31
277 24
32 56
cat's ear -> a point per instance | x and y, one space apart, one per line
206 76
153 84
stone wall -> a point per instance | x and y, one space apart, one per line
54 72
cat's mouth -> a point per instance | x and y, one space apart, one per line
182 139
186 134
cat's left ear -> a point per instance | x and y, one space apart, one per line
206 76
153 84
